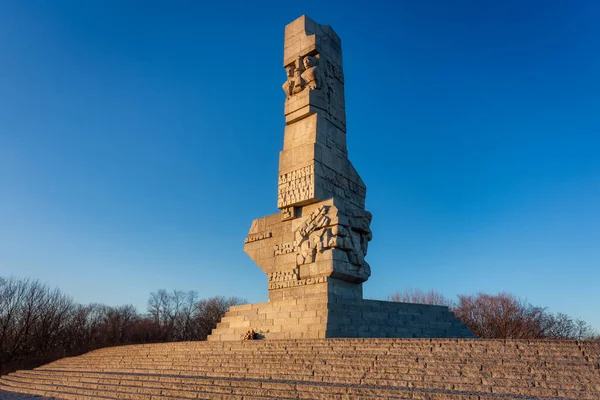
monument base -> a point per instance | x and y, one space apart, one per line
320 317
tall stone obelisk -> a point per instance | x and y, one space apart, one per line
317 244
313 250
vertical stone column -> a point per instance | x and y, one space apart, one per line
317 244
314 163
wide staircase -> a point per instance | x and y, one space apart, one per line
462 369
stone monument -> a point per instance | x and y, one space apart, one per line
313 250
318 242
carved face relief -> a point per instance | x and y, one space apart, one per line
290 71
308 62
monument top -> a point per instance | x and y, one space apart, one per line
304 36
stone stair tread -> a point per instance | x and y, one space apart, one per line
360 374
121 392
502 389
372 366
48 393
361 378
375 359
354 392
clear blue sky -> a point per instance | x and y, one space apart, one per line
138 140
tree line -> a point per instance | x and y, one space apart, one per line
39 324
504 316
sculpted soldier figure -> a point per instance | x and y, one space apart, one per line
311 73
298 79
288 86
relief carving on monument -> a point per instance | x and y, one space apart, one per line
336 183
260 236
295 283
296 186
288 86
285 248
310 76
302 74
315 79
323 231
282 276
307 243
288 213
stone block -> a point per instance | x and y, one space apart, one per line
371 334
285 321
342 319
279 335
312 320
254 317
243 307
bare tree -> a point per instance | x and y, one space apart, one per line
584 331
54 309
162 310
39 324
118 321
420 297
186 316
503 316
559 326
211 311
33 319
